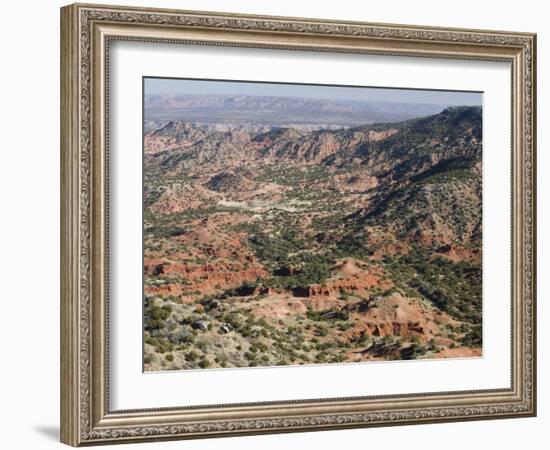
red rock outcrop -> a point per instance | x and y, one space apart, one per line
456 253
347 277
375 136
399 316
203 278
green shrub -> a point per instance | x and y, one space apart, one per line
192 356
155 316
204 363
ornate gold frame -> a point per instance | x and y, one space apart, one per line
86 31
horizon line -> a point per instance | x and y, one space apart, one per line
183 94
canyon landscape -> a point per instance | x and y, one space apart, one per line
300 229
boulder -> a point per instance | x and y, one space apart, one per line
200 325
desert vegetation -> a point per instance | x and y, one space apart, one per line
269 245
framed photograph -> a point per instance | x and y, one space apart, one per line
278 224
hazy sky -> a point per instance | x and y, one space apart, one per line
180 86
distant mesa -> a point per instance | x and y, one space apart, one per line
280 110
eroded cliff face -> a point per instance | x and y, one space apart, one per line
267 246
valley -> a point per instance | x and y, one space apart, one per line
269 245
